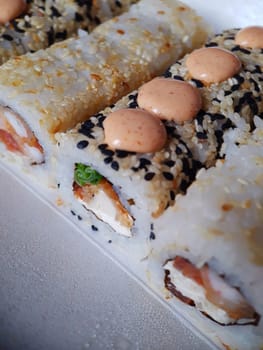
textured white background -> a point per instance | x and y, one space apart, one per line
58 291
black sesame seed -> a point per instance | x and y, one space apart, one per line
102 146
199 119
121 154
186 168
107 152
253 105
115 165
118 3
168 176
143 163
178 150
183 185
78 17
244 51
211 44
235 48
219 136
152 226
152 236
242 101
201 113
198 83
61 35
227 125
79 217
235 87
100 121
196 165
73 213
169 163
132 97
170 130
133 104
256 87
241 49
256 69
227 92
58 185
82 144
50 36
188 152
109 241
149 176
17 28
216 116
55 12
167 74
82 2
85 131
88 124
108 160
90 135
97 20
28 25
201 135
7 37
178 77
239 78
94 228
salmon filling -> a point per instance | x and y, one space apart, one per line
17 137
99 196
208 292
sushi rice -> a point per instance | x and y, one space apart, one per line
218 223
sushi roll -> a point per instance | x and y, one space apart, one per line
128 163
54 89
28 26
246 43
208 260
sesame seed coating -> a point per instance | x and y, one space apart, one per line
77 77
47 22
191 145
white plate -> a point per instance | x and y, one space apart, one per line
57 289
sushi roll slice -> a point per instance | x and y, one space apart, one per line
54 89
28 26
246 43
149 146
209 255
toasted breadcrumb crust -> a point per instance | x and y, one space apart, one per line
47 22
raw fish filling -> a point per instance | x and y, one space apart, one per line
208 292
17 137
